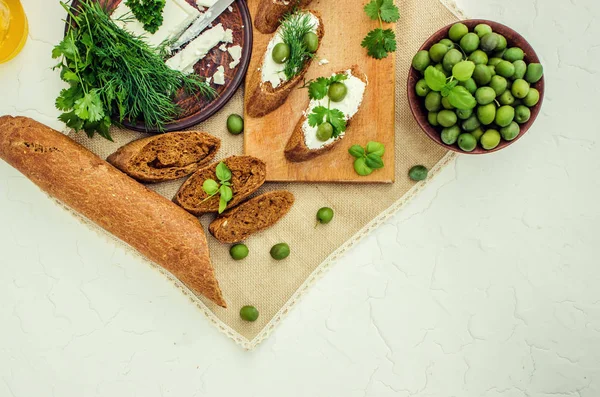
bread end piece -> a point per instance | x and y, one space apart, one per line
270 12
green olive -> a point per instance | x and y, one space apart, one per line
532 98
482 75
514 54
418 173
311 41
499 85
534 73
522 114
450 135
433 101
486 114
470 85
467 142
421 60
494 61
446 118
238 252
324 131
235 124
446 103
464 114
482 29
490 139
471 124
489 42
458 31
281 53
469 42
485 95
280 251
432 118
421 88
502 43
505 69
325 215
505 115
479 57
337 91
477 134
520 88
437 52
451 58
510 132
249 313
520 69
506 98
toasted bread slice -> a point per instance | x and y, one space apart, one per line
297 149
167 156
247 175
270 12
248 218
261 97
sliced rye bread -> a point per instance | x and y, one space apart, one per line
270 12
261 98
256 214
166 157
247 175
296 149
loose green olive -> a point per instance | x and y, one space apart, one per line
280 251
324 131
505 115
490 139
450 135
446 118
337 91
235 124
469 42
421 61
532 98
418 173
311 41
281 53
433 101
249 313
520 88
421 88
325 215
534 73
458 31
238 252
514 54
482 29
467 142
510 132
522 114
437 52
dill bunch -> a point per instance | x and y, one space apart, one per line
293 28
112 72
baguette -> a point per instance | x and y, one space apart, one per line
248 218
270 12
157 228
247 175
166 157
261 97
297 149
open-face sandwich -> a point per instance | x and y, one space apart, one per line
286 60
270 12
334 101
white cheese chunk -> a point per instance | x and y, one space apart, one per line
236 53
219 76
349 106
177 16
273 71
205 3
197 49
223 47
323 62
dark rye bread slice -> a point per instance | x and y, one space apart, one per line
270 12
248 218
261 98
148 222
166 157
247 175
296 149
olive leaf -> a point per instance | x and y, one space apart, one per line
376 148
461 98
435 79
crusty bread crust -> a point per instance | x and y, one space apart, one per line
270 12
157 228
262 98
256 214
296 149
247 175
165 157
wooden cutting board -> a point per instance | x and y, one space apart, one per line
346 25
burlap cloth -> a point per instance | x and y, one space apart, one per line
272 286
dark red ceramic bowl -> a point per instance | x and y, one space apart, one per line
417 105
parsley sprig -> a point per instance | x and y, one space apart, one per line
380 42
223 187
148 12
317 90
112 72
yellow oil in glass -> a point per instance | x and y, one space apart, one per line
13 29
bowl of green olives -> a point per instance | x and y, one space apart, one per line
475 86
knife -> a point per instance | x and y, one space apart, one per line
201 23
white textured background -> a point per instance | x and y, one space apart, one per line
486 285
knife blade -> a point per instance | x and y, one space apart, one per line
201 23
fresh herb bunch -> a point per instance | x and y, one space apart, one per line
457 95
112 72
148 12
380 42
223 187
317 90
293 28
368 158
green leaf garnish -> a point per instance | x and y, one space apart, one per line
367 159
380 42
222 188
461 98
435 79
148 12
